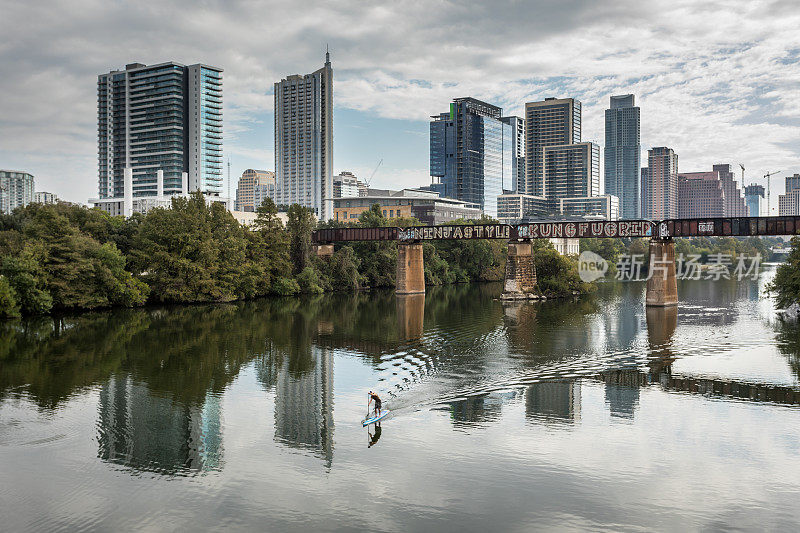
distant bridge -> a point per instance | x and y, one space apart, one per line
520 278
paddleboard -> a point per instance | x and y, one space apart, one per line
374 419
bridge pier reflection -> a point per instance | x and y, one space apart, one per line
410 315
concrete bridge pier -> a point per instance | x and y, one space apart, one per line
323 250
520 278
410 269
662 286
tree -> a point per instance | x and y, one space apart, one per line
786 284
299 225
9 308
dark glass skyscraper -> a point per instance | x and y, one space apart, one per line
472 153
550 122
164 117
622 155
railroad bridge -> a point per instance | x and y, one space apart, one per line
520 273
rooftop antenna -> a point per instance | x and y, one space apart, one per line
742 166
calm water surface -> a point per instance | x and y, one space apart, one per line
594 414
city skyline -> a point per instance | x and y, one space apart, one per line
734 84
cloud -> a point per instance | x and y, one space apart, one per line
717 81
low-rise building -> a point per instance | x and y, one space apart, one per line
347 184
254 187
513 208
426 206
605 207
43 197
127 204
16 190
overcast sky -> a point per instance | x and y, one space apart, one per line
716 81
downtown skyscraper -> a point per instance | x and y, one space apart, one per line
622 159
474 153
165 117
551 122
304 140
659 184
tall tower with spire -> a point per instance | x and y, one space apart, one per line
304 140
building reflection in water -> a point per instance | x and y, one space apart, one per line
145 431
304 405
554 401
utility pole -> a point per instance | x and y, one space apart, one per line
229 184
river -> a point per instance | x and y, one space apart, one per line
590 414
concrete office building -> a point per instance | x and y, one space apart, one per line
659 185
550 122
424 205
571 170
754 199
472 153
16 190
43 197
700 194
254 187
622 159
789 202
304 140
734 202
165 117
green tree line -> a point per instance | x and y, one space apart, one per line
66 257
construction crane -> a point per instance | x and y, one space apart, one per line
768 177
369 180
742 166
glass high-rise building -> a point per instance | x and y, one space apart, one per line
572 170
551 122
165 117
304 140
754 199
16 190
518 145
622 155
472 153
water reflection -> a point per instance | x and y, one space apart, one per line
160 373
143 431
554 401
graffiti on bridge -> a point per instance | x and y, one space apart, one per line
582 230
437 233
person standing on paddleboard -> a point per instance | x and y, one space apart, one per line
373 396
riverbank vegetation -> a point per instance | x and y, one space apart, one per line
786 284
66 257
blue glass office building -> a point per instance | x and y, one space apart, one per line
622 155
472 153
